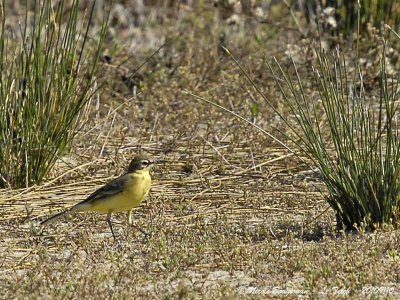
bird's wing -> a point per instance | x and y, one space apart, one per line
114 187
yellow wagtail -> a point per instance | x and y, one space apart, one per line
121 194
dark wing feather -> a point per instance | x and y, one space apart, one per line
114 187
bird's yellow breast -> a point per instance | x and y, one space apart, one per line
135 188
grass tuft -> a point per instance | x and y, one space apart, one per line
352 137
46 80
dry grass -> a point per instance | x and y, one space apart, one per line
230 214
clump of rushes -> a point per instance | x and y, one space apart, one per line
351 137
47 77
372 13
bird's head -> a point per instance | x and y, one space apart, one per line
140 162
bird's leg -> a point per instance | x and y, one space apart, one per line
130 217
134 226
109 223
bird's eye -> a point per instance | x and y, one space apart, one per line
145 162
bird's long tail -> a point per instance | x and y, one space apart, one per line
55 217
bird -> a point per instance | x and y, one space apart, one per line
121 194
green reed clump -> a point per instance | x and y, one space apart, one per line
372 13
47 76
352 137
